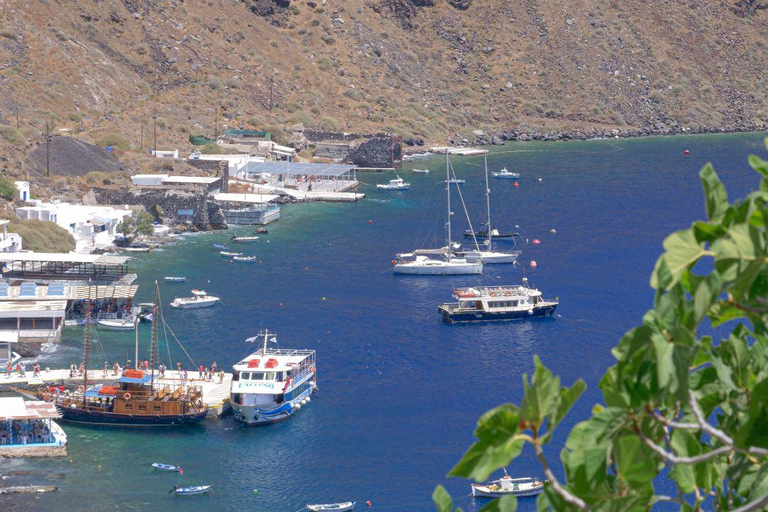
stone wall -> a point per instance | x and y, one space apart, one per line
331 150
176 203
214 168
381 151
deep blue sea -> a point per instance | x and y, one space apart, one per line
400 392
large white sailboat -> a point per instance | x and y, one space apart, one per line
485 252
272 384
442 264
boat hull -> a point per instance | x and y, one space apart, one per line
467 315
492 257
438 270
484 492
105 418
194 305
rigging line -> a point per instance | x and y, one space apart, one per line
424 216
466 214
180 345
165 331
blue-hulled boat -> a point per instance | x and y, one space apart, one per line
190 491
495 303
272 384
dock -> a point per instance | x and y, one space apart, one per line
334 192
215 393
458 151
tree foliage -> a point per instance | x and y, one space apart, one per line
140 223
678 404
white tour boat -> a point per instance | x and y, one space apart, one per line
504 173
396 184
444 264
506 485
489 303
271 384
199 299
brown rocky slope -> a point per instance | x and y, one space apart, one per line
422 68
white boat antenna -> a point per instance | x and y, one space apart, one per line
266 339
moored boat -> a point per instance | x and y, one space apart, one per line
457 181
505 173
395 184
230 254
484 233
117 324
272 384
506 485
244 239
159 466
190 491
244 259
199 299
175 279
221 247
332 507
421 171
494 303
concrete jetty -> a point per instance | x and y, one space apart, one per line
215 392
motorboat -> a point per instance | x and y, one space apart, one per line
159 466
199 299
504 173
445 263
136 249
230 254
506 485
457 181
190 491
262 231
495 303
117 324
272 384
244 259
244 239
395 184
180 279
335 507
421 171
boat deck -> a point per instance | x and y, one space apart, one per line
215 393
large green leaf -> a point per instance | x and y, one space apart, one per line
634 462
682 251
503 504
540 395
442 499
714 193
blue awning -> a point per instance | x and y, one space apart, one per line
93 391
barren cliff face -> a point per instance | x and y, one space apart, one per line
422 68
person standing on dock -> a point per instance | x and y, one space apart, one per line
221 376
162 369
22 370
178 368
213 368
106 370
115 369
8 369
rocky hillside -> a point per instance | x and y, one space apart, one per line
425 69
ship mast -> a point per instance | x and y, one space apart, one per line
266 339
154 343
448 200
489 235
87 343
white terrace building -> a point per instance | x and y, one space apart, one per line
93 227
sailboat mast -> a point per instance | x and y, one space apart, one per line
154 343
448 199
87 342
488 206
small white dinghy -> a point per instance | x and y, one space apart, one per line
117 324
189 491
246 259
199 299
172 279
336 507
506 485
421 171
230 254
159 466
244 239
396 184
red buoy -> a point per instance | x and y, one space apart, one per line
687 152
533 264
517 184
370 221
536 241
368 503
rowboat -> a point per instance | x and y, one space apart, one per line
457 181
221 247
245 259
189 491
421 171
159 466
244 239
171 279
336 507
230 254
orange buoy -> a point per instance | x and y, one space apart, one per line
517 184
536 241
368 503
533 264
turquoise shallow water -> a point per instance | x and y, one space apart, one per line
399 391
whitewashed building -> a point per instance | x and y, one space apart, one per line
93 227
9 242
23 189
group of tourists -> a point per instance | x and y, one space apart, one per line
24 432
